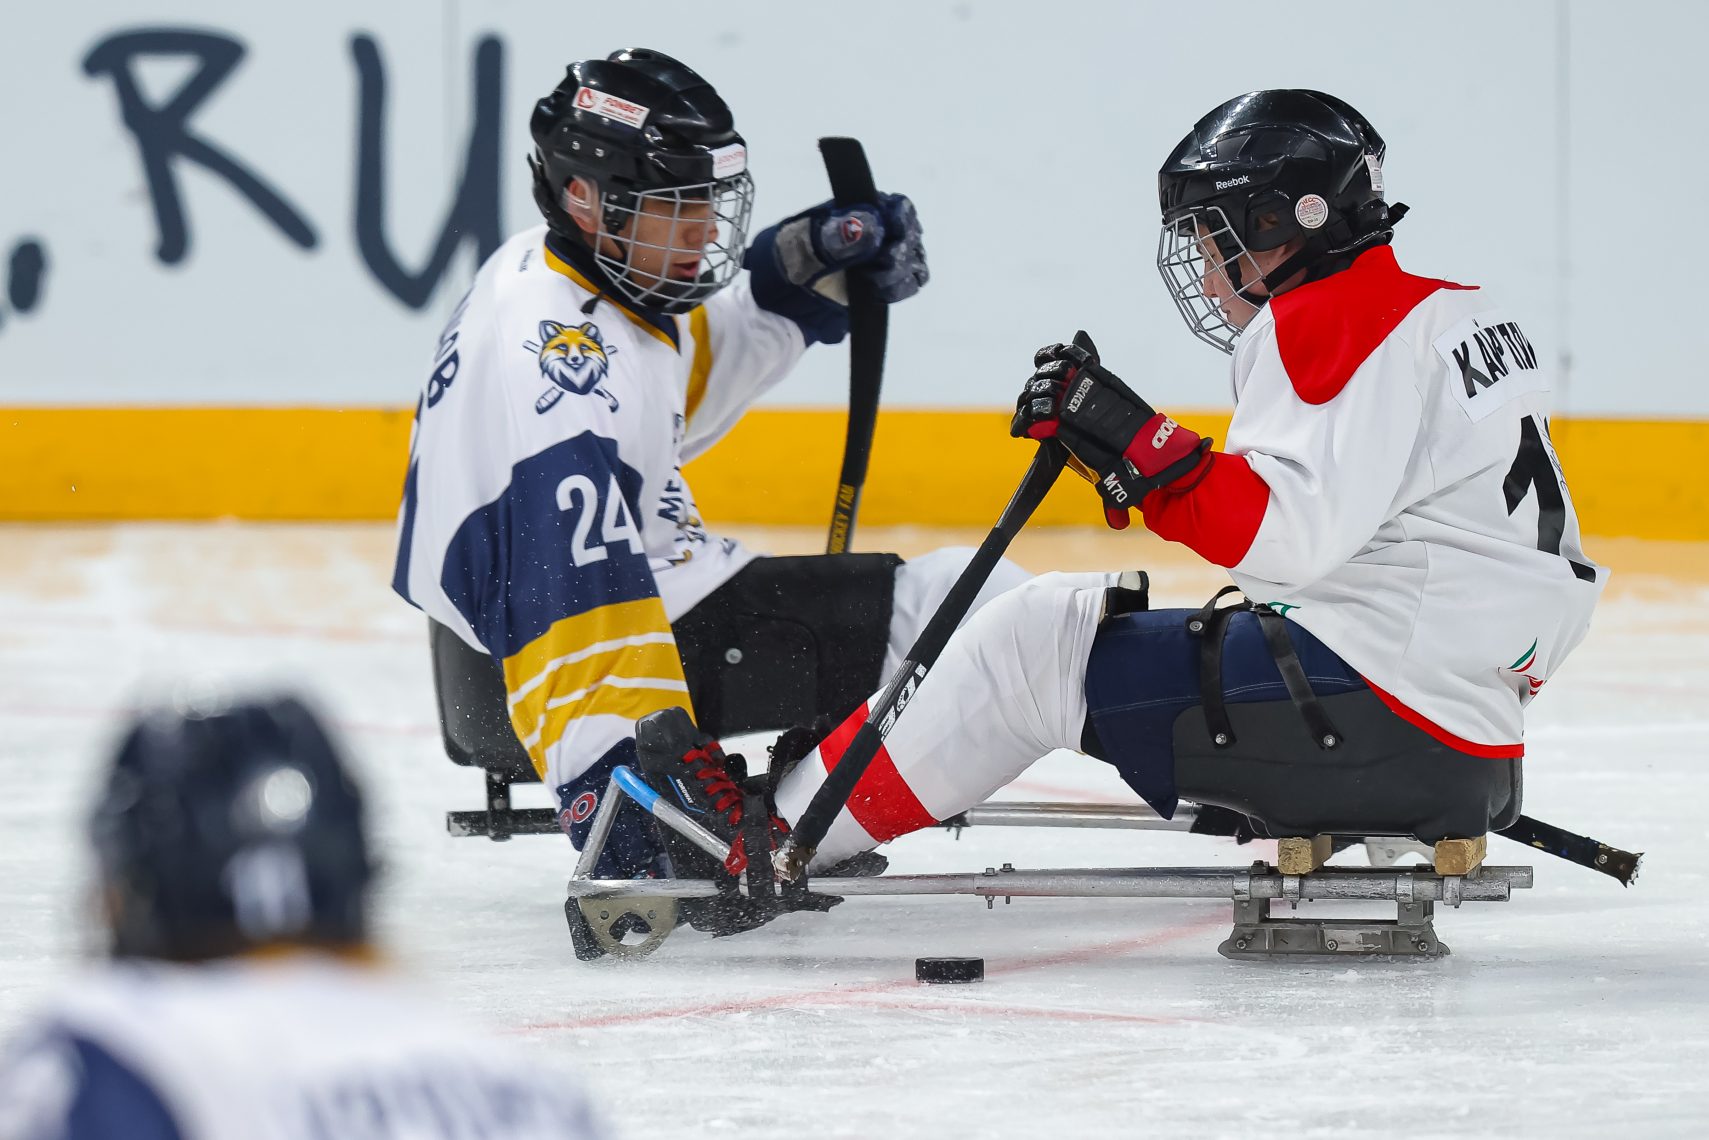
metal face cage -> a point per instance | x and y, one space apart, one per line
706 218
1197 247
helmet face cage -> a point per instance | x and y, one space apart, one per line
1183 261
677 209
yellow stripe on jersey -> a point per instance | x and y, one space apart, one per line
655 665
559 265
583 631
574 669
702 367
618 659
628 700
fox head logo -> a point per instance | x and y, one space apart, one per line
575 358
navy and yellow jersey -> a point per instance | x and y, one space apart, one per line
545 517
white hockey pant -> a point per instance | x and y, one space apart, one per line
1009 688
922 584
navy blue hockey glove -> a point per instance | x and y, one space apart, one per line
798 266
1122 444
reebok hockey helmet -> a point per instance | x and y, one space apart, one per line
654 138
230 828
1254 174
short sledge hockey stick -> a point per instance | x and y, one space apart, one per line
869 330
1580 849
1586 852
791 859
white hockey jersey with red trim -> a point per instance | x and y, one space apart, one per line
1389 484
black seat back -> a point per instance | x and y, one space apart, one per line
474 721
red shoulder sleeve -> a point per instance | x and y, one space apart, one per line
1217 516
1327 329
1324 332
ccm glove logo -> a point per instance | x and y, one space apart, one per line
1164 431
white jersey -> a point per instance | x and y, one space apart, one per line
300 1048
1389 484
545 517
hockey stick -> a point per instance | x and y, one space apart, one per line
869 328
1586 852
1580 849
791 859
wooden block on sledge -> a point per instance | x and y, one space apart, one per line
1460 856
1301 856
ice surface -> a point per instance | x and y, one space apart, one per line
1577 1009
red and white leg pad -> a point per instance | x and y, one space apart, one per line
1009 688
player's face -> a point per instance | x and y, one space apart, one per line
1218 286
665 240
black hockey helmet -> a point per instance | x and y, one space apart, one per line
653 136
1259 171
222 830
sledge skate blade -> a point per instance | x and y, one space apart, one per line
1257 937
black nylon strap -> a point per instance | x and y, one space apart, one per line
756 839
1323 731
1211 624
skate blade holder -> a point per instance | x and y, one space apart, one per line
630 918
1258 935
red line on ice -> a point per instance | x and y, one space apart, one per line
861 995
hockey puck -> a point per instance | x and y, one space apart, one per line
948 971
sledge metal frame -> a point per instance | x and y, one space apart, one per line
499 821
1257 934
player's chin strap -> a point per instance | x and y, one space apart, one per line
1312 256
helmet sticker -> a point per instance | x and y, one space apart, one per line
1375 166
728 161
610 106
1311 211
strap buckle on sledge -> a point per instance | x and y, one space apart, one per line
1211 625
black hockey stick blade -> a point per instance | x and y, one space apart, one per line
869 330
791 859
1580 849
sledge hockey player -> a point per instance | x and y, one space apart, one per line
1388 500
546 521
244 998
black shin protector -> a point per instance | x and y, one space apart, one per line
787 640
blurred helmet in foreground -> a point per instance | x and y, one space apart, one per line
227 830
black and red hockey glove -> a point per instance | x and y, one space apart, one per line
1129 448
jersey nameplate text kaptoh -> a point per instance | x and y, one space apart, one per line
1493 360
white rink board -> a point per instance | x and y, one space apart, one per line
1578 1009
1030 135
